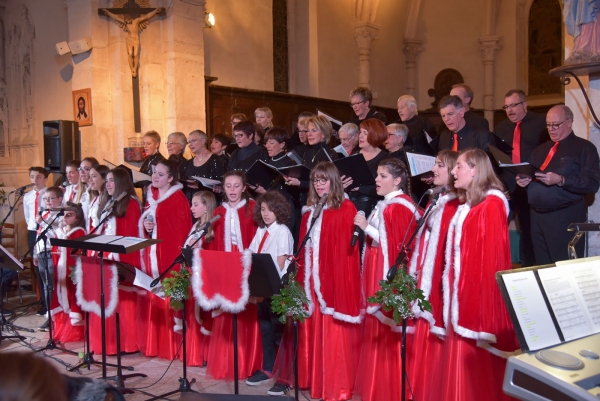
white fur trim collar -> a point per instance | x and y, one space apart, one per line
232 213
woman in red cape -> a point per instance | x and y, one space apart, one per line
380 365
124 222
329 270
479 332
199 322
233 233
66 314
166 217
427 264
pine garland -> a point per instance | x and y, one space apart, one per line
177 287
399 295
292 301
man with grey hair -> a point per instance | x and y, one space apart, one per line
360 100
465 93
569 170
348 135
418 127
459 135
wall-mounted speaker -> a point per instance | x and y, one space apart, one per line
61 144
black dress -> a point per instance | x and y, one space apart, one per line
243 158
213 168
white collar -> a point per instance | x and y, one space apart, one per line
393 194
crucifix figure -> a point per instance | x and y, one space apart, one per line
133 20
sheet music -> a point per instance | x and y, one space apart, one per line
419 164
143 280
340 149
530 308
587 279
127 241
105 239
562 292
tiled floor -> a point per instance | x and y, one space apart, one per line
155 368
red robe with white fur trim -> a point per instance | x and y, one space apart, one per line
329 270
66 314
172 222
393 218
127 308
479 330
245 225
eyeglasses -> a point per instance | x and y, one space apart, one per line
512 106
84 168
346 139
320 181
555 125
193 140
175 143
239 136
49 199
357 103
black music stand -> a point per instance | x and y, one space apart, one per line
7 261
109 244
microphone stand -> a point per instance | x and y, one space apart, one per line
284 280
184 383
403 259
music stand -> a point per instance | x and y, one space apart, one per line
108 244
8 261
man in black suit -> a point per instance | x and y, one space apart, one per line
465 93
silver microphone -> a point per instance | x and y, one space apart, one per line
204 227
23 188
121 196
320 205
41 210
437 190
150 218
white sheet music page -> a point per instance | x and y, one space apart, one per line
530 308
587 279
566 301
419 164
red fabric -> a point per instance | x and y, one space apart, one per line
155 316
380 360
218 281
220 354
455 142
125 226
550 156
467 371
63 330
516 153
327 345
90 283
36 203
427 345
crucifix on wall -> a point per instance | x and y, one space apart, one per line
133 16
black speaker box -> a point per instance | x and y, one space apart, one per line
61 144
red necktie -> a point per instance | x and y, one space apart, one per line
516 153
455 143
549 157
262 241
36 203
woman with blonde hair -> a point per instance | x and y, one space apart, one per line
329 270
264 118
479 333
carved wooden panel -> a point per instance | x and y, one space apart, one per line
280 46
545 46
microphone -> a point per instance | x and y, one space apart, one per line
204 227
437 190
62 209
41 210
319 206
120 197
356 231
23 188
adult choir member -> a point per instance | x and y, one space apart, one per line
427 264
380 366
479 333
166 217
204 163
233 233
329 270
249 152
123 222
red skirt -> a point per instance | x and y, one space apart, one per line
466 372
197 339
220 353
128 327
327 357
63 331
156 321
427 348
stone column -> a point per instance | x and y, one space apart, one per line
183 54
365 33
489 45
412 48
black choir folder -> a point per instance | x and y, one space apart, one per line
355 166
263 174
505 161
553 304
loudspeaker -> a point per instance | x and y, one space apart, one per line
230 397
61 144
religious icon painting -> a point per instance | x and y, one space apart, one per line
82 107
